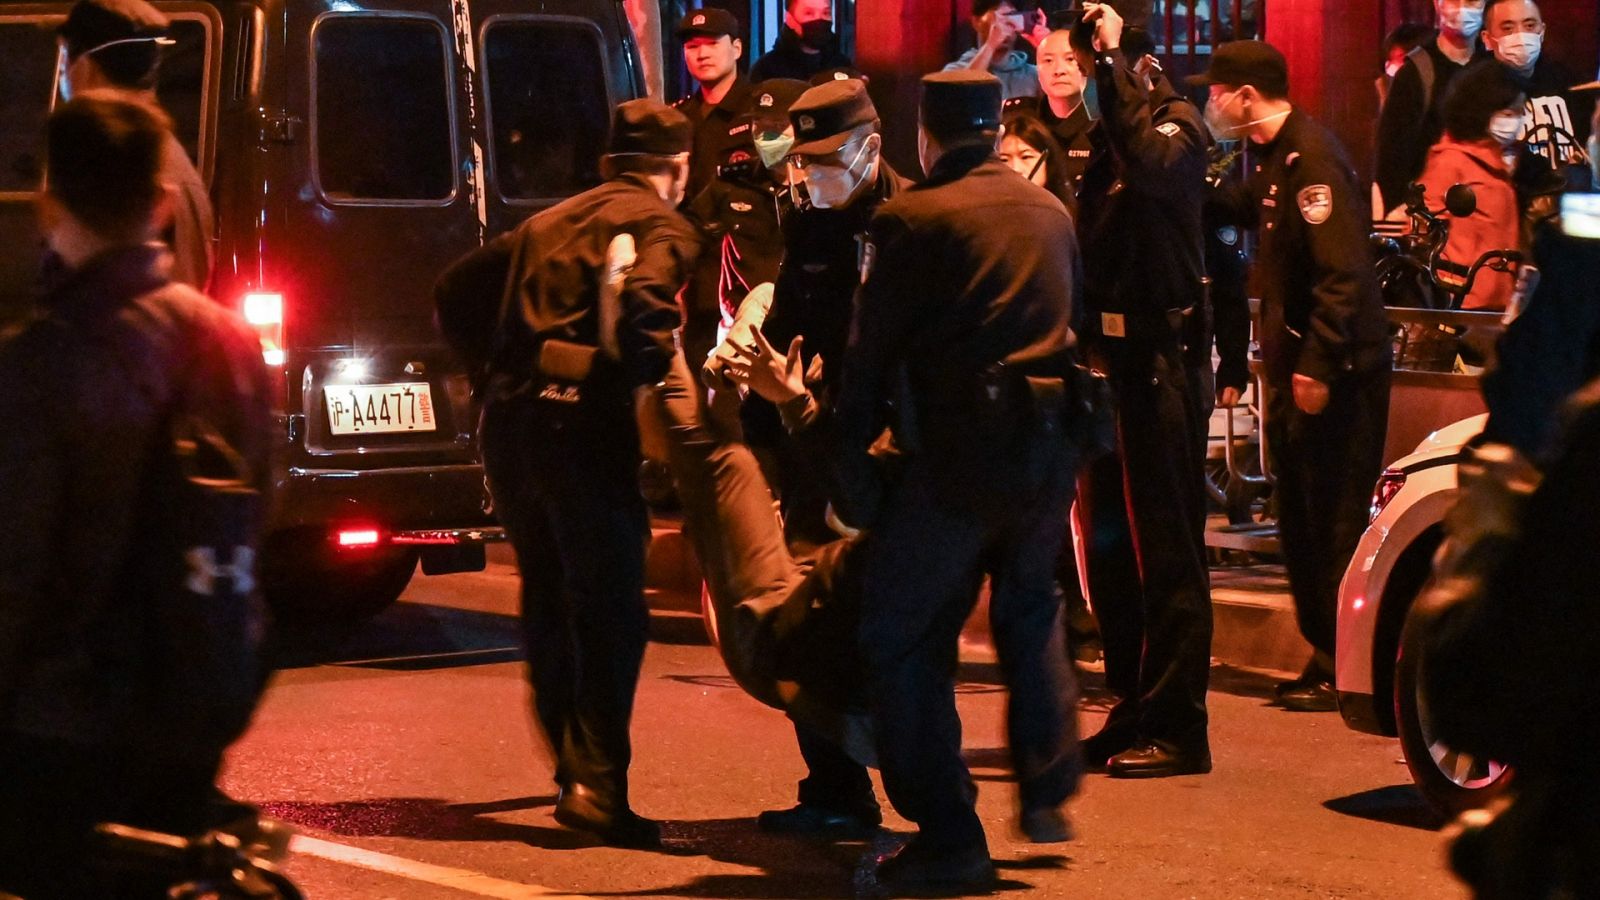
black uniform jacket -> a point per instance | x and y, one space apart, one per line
1321 313
963 274
788 59
557 260
1141 227
719 129
85 410
741 218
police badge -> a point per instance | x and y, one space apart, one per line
1316 203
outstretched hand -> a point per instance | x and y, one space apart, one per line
773 376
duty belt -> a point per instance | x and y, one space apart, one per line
1163 326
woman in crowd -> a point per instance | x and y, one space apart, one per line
1032 151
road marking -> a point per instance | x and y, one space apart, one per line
442 876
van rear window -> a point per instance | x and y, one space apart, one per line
28 52
381 119
548 106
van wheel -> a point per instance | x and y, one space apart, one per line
1451 781
307 581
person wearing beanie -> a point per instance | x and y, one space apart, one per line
586 332
116 45
962 320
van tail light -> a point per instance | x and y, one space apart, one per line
264 313
358 538
1389 484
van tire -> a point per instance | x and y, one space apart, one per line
1475 782
306 581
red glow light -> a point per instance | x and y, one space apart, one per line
359 537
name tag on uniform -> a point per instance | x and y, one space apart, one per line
1113 325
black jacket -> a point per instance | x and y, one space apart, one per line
1321 313
969 272
788 59
90 384
1409 124
740 217
718 130
557 260
1552 102
1140 222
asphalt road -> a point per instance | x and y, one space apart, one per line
404 754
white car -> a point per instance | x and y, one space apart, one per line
1376 681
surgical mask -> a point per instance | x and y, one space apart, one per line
772 148
1217 122
817 33
1519 51
830 187
1464 21
1505 129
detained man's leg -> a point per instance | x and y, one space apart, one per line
836 799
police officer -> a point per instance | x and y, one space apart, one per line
962 322
711 51
838 155
1061 107
1144 508
561 449
1324 340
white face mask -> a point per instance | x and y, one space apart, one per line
1464 21
830 186
1519 51
1505 128
1216 121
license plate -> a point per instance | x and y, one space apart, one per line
379 408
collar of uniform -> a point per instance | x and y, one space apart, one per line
959 161
737 99
112 278
1285 136
640 182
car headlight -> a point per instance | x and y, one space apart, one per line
1389 484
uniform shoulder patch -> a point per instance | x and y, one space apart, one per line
1228 235
1316 203
1170 129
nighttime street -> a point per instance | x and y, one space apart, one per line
405 757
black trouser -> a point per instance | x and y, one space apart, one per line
833 781
1326 466
967 506
53 794
565 486
1144 514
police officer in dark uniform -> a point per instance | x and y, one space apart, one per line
838 155
1144 508
741 212
1324 340
1061 107
712 49
561 448
962 324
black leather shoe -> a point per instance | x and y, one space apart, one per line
1104 744
1152 760
915 866
581 809
1317 696
1048 825
809 820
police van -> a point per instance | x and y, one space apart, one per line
353 149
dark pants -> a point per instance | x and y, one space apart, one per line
53 793
998 508
833 780
1144 514
564 482
1326 466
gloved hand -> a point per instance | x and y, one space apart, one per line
751 316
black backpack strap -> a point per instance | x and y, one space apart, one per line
1423 60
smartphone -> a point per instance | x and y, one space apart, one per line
1580 216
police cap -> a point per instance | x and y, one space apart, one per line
708 22
839 74
825 115
770 101
1256 63
648 127
92 24
960 102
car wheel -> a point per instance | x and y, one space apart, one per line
1452 781
308 581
